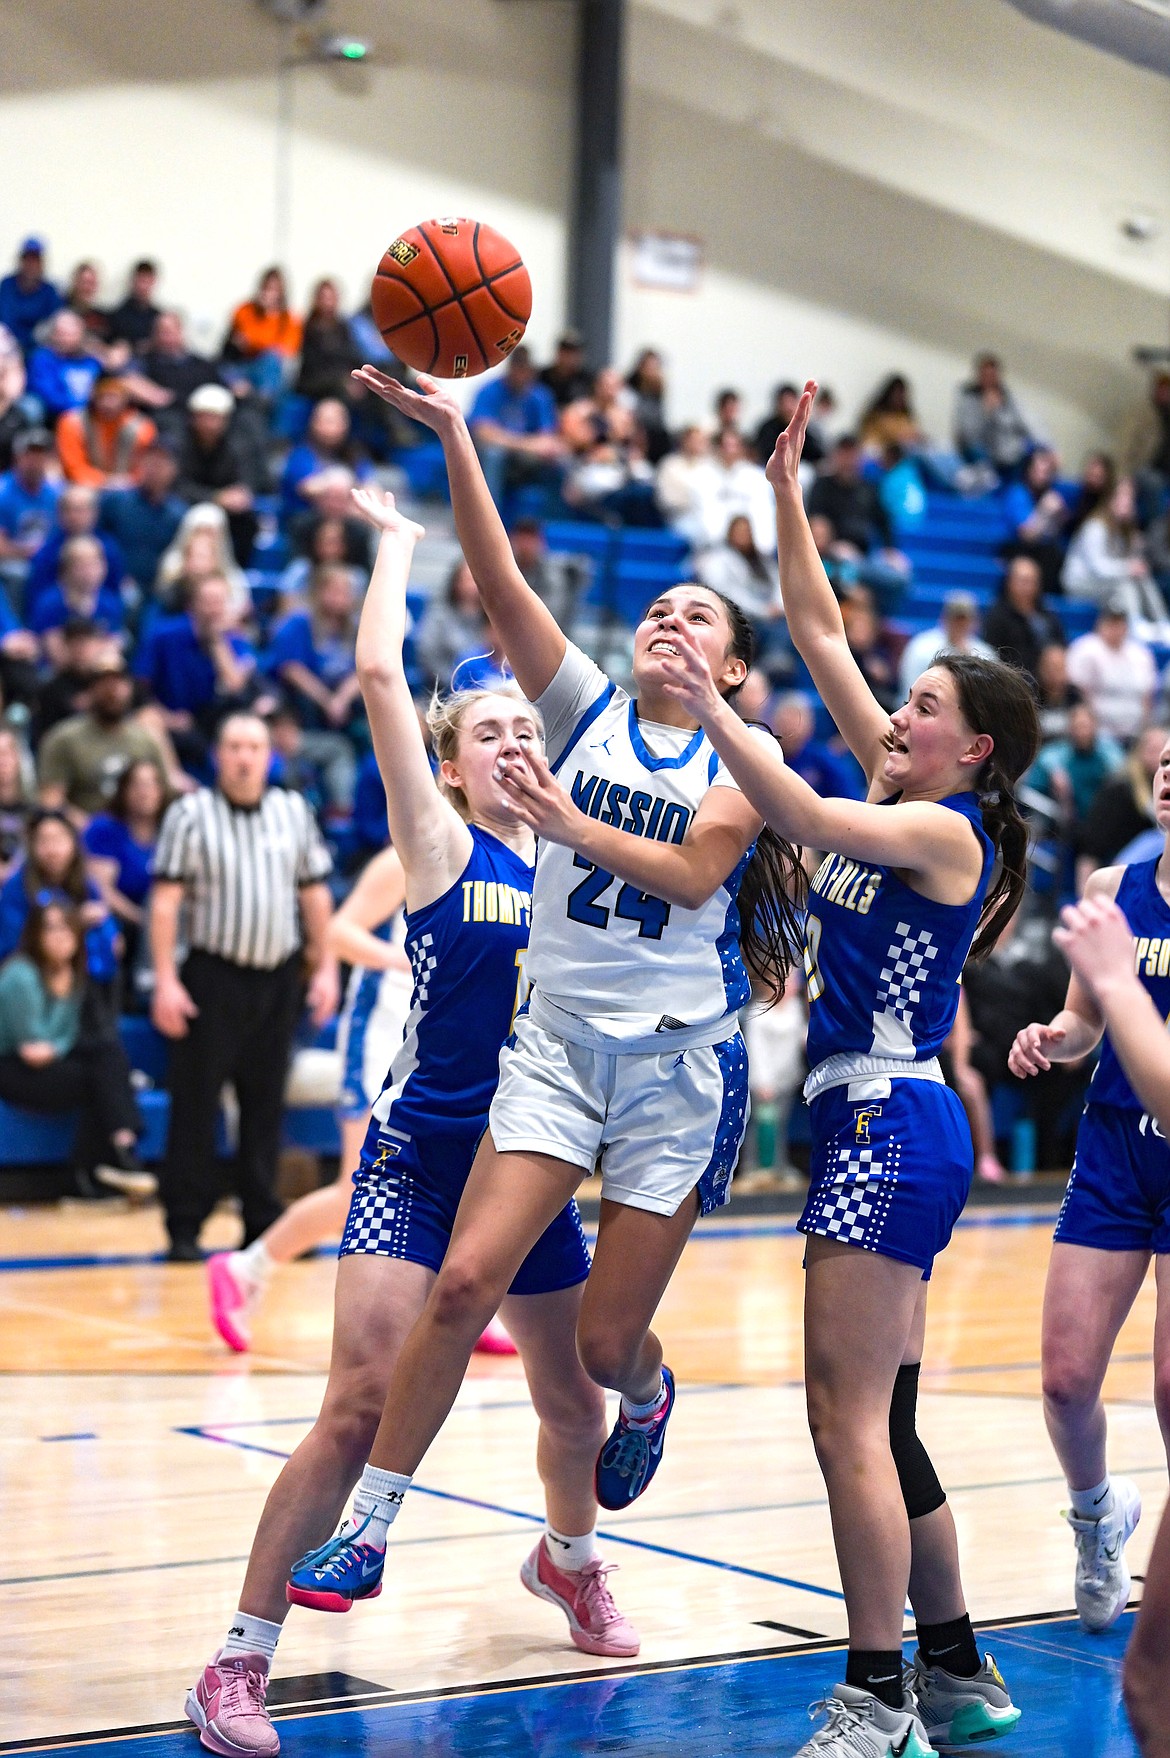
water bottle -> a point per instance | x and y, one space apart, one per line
1023 1147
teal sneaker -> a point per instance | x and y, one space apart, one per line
860 1725
961 1712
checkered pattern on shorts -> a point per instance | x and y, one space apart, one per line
379 1216
853 1203
905 968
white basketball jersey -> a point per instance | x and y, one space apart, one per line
610 964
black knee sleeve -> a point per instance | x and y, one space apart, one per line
921 1490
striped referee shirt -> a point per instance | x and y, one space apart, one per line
242 867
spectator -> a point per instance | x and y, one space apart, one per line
54 862
559 580
612 480
28 500
291 766
329 352
263 337
312 655
829 773
78 509
678 483
19 652
143 518
120 843
727 483
1039 516
1094 490
165 375
231 1008
989 426
728 414
62 372
133 321
332 503
1106 559
954 633
859 518
604 417
452 626
66 690
566 376
102 445
1145 443
1056 697
328 545
81 298
513 422
1018 625
1115 672
870 646
16 800
1071 771
15 414
198 668
57 1054
200 547
79 763
82 590
1123 808
784 400
216 465
889 420
646 384
326 446
371 831
737 569
26 297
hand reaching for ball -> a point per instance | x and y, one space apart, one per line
376 506
431 404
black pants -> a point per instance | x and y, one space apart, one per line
242 1033
94 1080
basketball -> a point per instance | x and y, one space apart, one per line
451 297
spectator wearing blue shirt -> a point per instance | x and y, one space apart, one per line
26 297
55 862
82 591
312 657
144 518
198 669
28 502
513 422
77 516
325 446
120 845
61 374
827 772
19 653
371 830
1039 516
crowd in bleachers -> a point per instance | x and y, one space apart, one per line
176 540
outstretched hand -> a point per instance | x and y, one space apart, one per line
782 466
376 506
1096 939
435 407
686 673
537 797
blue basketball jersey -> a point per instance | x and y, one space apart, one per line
882 962
1148 915
467 952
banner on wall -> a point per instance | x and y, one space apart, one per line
671 262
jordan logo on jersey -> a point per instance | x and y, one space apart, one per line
846 882
635 811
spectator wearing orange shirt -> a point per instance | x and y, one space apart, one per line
264 337
101 445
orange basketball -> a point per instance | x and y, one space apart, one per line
451 297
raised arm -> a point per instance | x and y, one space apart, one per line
378 895
1096 939
810 605
433 842
527 630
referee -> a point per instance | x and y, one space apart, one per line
239 877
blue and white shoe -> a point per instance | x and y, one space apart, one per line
342 1570
632 1454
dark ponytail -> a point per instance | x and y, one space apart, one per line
1000 700
774 885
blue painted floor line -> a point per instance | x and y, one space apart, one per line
748 1705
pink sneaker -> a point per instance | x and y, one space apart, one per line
595 1623
495 1341
232 1298
227 1706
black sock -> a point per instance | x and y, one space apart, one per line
879 1671
951 1646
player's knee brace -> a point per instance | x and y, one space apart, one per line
921 1490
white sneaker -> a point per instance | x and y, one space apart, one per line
1103 1580
959 1712
860 1725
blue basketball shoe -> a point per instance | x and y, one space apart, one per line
342 1570
632 1454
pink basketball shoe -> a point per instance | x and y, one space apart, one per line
595 1623
495 1340
232 1296
227 1706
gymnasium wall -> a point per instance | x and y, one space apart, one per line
875 186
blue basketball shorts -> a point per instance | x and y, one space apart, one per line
1118 1195
405 1196
891 1168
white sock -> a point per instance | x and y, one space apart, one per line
570 1553
254 1262
1095 1503
644 1413
380 1495
249 1635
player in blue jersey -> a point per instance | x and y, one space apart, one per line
468 866
629 1054
909 886
1114 1218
